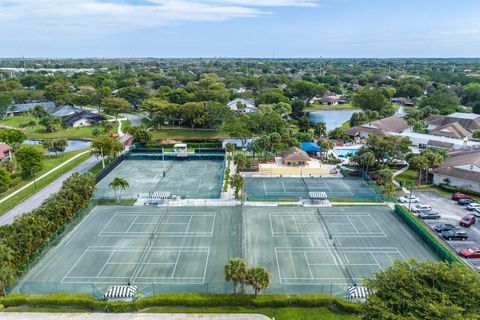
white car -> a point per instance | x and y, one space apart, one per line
421 207
476 212
473 205
407 199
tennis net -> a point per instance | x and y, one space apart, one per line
143 256
335 243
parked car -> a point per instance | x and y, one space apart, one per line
458 195
465 201
476 212
407 199
469 252
468 220
421 207
473 205
444 227
454 235
429 215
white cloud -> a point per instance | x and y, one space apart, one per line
96 16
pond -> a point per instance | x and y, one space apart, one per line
71 146
333 118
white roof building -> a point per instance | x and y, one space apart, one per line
240 105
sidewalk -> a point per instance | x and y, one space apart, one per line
42 176
127 316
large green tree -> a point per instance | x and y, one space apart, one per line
372 99
30 158
425 290
114 106
445 103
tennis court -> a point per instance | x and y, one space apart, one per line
327 249
279 188
180 249
191 179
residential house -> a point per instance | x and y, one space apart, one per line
240 105
383 127
65 110
5 152
461 169
329 99
20 108
82 119
402 101
468 121
294 157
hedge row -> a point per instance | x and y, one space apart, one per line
453 189
426 235
183 300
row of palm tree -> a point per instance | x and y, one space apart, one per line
237 271
21 241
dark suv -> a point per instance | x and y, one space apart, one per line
454 235
465 201
444 227
429 215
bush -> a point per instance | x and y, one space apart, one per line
453 189
182 299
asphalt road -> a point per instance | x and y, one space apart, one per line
36 200
451 213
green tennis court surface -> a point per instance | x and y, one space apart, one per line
277 188
180 249
191 179
307 252
184 249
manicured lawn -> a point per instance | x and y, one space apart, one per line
39 132
48 165
408 177
319 107
277 313
178 133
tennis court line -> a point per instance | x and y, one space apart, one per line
113 250
159 222
305 250
320 232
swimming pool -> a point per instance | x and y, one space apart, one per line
346 152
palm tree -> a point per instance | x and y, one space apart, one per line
236 270
325 146
320 129
259 278
118 184
237 183
419 163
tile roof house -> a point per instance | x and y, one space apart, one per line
26 107
294 156
402 101
451 130
383 127
5 152
82 119
461 168
329 99
247 106
65 110
469 121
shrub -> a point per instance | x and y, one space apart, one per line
182 299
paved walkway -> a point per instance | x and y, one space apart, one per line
127 316
42 176
36 200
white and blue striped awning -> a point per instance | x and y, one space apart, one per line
318 195
119 292
357 292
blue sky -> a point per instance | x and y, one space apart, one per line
240 28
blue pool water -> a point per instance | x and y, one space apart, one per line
346 152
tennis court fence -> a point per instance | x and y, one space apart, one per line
97 290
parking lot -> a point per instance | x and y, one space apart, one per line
451 212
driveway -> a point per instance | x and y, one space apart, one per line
134 119
127 316
451 213
36 200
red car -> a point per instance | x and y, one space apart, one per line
469 252
468 220
458 195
